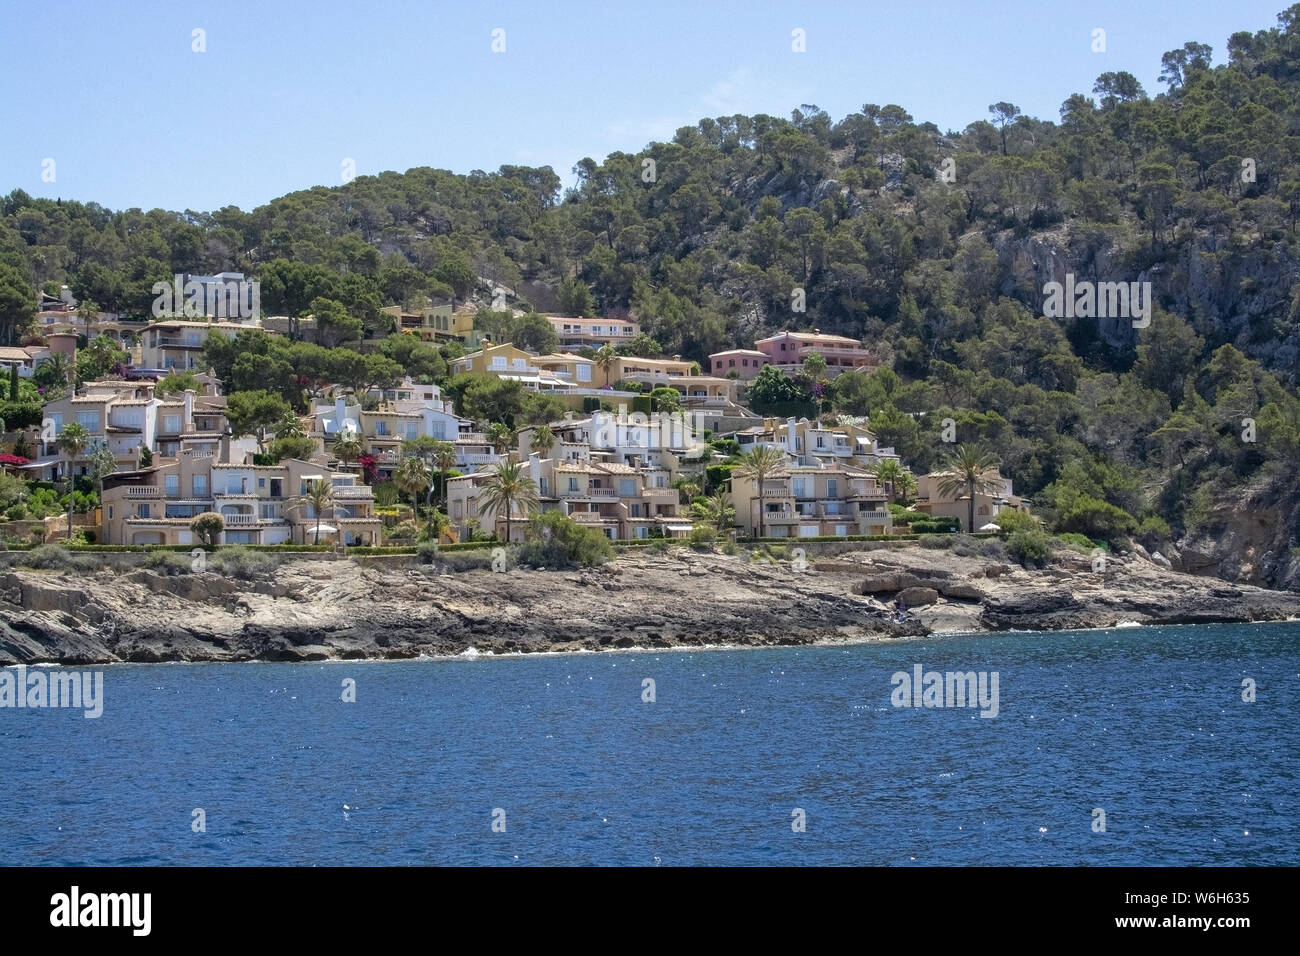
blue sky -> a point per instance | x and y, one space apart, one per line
286 92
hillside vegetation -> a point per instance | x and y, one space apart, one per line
930 246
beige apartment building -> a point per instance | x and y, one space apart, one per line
811 501
674 373
576 332
260 504
957 505
812 443
621 501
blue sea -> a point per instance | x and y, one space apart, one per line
750 757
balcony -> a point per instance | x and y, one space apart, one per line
352 492
783 516
240 519
171 342
873 515
478 459
603 493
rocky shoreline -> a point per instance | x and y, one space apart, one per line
327 610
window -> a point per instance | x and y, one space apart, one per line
626 487
544 486
381 428
584 373
821 442
88 420
744 363
57 422
172 485
798 484
200 486
268 511
832 486
275 487
172 424
143 512
110 512
573 484
731 363
643 532
261 481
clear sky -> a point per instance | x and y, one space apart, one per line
286 92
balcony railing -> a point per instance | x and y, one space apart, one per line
171 342
240 519
144 491
350 491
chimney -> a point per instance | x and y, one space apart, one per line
223 454
187 423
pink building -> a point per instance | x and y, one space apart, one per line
788 350
745 362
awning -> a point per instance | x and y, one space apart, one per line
680 527
324 529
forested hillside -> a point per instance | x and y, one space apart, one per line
930 246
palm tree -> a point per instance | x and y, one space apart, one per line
72 440
506 489
715 511
288 427
320 495
348 449
54 371
758 465
499 436
444 459
605 359
888 472
687 489
88 312
544 439
413 476
906 487
972 469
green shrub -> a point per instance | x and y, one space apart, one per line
461 561
243 563
702 538
557 541
168 562
17 512
938 525
1080 541
428 551
52 557
1152 531
1010 521
1029 547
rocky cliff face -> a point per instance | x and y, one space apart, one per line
328 610
1253 538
